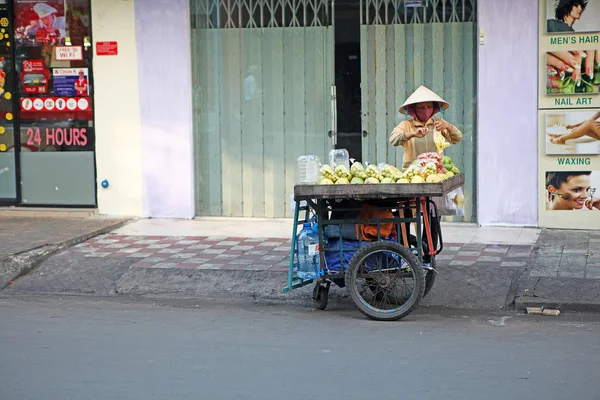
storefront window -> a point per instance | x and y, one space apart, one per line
53 61
8 188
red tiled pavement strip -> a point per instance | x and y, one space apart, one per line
198 252
272 254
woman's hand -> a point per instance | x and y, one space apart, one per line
594 202
566 61
420 132
442 125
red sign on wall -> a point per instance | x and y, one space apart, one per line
33 66
107 48
55 104
34 76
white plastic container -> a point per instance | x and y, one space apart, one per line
307 170
339 157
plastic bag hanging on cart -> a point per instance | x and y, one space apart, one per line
454 203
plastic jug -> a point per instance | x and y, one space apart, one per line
308 254
307 170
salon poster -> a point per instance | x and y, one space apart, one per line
569 114
70 82
40 22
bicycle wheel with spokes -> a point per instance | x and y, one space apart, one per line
385 281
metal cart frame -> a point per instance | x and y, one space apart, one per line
411 204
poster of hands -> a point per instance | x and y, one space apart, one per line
573 72
40 22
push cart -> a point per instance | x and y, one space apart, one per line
366 242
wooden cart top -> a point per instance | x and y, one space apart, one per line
378 191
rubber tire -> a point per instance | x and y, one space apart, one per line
322 298
415 265
430 277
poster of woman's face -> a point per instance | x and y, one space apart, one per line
563 16
40 22
572 132
573 72
572 190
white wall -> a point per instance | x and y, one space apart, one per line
165 80
507 113
117 110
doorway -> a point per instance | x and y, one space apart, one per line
348 77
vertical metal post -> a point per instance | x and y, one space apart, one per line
333 114
321 207
333 111
293 246
417 203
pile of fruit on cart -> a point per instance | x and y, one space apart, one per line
427 168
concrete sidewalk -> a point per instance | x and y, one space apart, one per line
26 241
249 258
283 227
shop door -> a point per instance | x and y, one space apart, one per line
262 75
47 143
404 47
8 160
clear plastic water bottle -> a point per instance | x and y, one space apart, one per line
339 157
307 170
308 255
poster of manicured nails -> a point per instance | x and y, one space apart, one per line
573 72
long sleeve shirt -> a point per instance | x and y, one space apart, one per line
415 146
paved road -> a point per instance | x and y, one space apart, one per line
94 348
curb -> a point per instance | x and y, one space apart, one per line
18 264
521 303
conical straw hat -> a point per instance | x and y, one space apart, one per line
422 94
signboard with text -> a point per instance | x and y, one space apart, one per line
70 81
568 115
34 77
68 53
107 48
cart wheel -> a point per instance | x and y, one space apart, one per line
430 277
321 296
385 281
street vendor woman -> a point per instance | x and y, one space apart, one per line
416 135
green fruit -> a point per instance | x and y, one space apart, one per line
387 180
371 180
342 181
357 181
455 170
325 181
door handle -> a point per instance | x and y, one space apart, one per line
365 133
